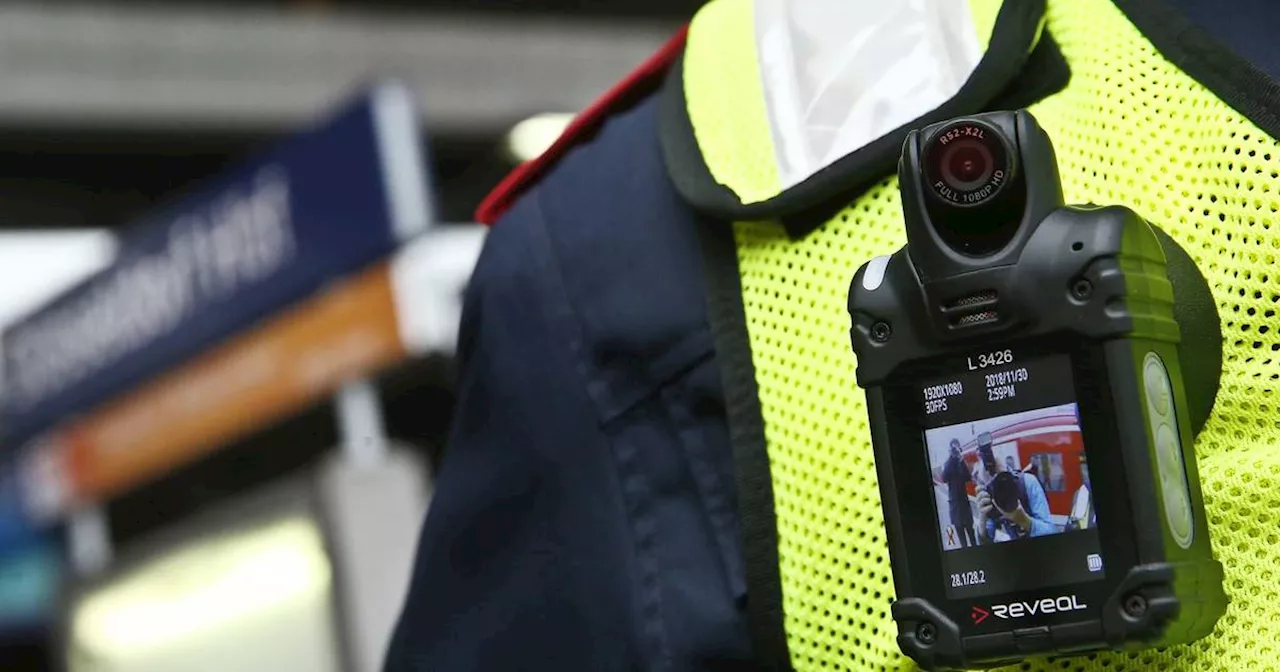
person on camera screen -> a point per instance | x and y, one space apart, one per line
956 475
1025 508
1082 514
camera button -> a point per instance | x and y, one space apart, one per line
873 277
1179 512
1032 640
1173 485
1157 384
1168 452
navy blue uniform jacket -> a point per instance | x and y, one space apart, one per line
585 515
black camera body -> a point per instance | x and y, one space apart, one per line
1041 338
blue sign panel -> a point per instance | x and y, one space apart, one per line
30 576
16 529
263 236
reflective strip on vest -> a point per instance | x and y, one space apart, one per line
1131 129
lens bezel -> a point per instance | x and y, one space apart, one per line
956 193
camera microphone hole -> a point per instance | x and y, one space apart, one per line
976 299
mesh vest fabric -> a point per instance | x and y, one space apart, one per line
1130 129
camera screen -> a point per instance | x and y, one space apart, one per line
1010 476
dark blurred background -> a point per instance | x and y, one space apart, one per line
106 107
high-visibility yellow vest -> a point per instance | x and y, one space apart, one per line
1129 128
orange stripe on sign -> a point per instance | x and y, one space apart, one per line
251 381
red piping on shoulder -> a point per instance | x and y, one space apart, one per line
641 82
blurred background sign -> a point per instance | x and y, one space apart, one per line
31 572
37 265
261 237
378 317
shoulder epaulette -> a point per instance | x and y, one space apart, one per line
642 81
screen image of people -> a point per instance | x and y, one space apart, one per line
1010 477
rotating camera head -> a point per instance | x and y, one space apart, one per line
971 184
1013 329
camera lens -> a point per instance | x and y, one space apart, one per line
966 163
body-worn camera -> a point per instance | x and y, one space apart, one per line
1031 412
